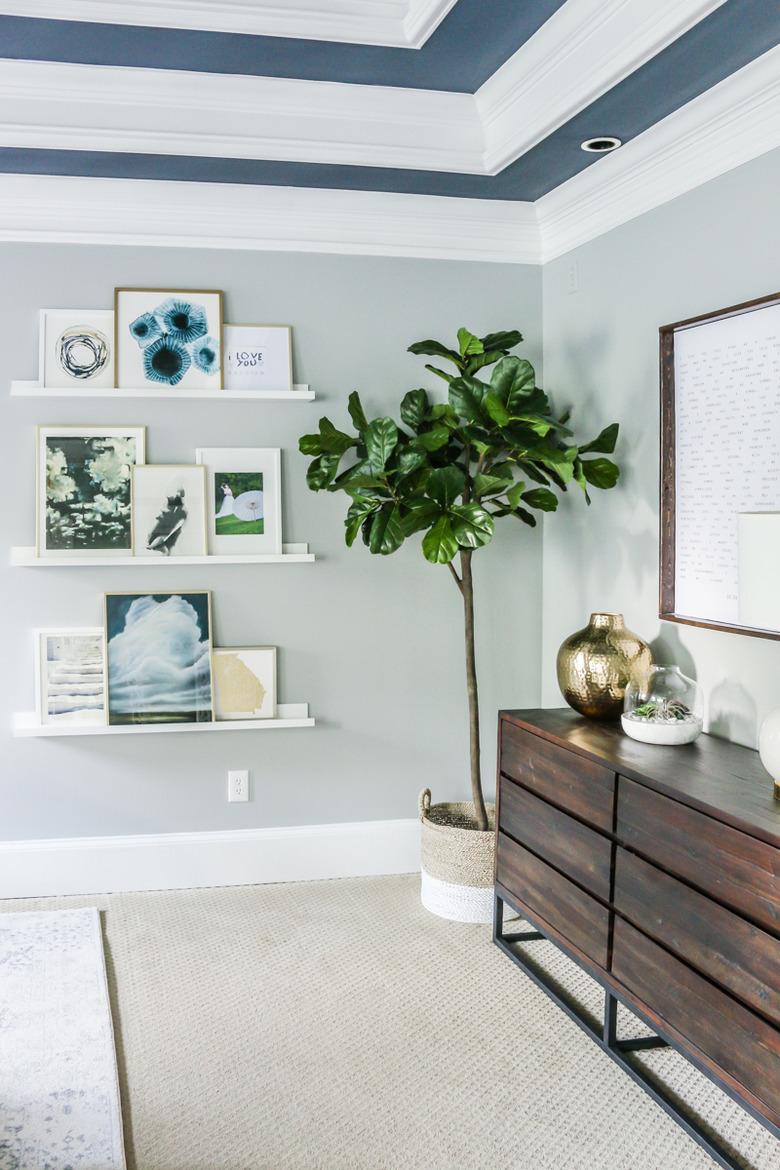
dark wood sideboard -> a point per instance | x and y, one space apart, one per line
657 870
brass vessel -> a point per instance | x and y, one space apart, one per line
596 664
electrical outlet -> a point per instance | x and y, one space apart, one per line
238 785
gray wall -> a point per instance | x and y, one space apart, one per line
374 644
713 247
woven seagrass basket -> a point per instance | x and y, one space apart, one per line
457 861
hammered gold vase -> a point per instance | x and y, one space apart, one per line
596 664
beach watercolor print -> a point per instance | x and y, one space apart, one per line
158 655
70 676
84 488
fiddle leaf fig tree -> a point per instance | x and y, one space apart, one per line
494 450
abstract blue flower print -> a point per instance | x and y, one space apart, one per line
205 355
165 360
182 320
145 328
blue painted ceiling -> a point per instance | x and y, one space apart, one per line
474 39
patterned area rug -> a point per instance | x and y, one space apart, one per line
59 1097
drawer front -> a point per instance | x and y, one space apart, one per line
584 788
576 850
735 868
739 956
733 1038
574 914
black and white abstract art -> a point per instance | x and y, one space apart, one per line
76 348
169 511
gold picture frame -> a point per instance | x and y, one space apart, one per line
119 350
135 718
226 374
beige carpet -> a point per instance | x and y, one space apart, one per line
338 1026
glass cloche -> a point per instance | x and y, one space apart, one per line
663 706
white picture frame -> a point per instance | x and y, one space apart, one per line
70 675
169 511
76 348
244 682
242 472
258 358
77 482
168 339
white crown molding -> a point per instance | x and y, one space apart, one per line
583 50
68 106
176 861
395 23
732 123
296 219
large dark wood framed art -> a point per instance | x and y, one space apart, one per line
720 469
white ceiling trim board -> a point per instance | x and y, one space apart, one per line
297 219
584 49
68 106
395 23
732 123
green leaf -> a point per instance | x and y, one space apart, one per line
435 349
512 381
579 477
466 396
431 440
605 442
440 373
381 438
310 445
387 533
356 412
333 441
360 508
472 526
515 494
410 460
421 515
527 517
443 412
602 473
322 471
489 485
445 485
496 409
468 343
541 498
414 407
508 339
439 544
480 360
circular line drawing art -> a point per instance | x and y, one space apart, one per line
82 352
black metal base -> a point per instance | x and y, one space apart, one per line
604 1033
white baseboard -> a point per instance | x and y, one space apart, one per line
176 861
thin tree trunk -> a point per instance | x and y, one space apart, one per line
467 590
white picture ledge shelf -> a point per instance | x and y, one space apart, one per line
35 390
289 715
26 557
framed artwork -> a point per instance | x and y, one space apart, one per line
720 469
84 489
158 657
244 499
76 348
70 676
168 338
169 510
258 357
245 682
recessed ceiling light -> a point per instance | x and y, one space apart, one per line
601 145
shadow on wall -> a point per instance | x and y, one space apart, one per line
733 713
